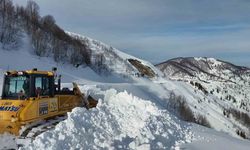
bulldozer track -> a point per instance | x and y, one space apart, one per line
32 131
36 129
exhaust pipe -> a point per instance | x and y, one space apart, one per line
59 82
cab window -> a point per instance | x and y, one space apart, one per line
42 86
16 87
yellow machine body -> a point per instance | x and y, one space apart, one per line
19 112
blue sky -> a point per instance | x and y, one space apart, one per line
158 30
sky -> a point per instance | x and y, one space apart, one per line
158 30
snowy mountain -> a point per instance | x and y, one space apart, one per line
134 111
222 79
127 116
200 68
225 87
139 105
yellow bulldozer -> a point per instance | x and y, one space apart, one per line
31 96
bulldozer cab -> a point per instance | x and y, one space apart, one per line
28 84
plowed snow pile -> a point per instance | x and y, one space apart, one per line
120 121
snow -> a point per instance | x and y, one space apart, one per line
7 142
212 60
215 104
208 139
120 121
132 113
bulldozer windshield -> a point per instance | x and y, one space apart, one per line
16 87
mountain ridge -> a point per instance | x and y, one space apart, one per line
223 83
190 67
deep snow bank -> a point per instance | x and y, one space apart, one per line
120 121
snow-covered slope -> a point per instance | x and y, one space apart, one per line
115 60
133 112
219 89
224 80
24 59
131 119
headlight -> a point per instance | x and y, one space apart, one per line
14 119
